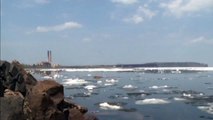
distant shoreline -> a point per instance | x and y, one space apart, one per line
148 65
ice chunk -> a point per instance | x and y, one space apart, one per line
47 77
179 99
151 101
129 87
111 80
208 108
159 87
75 81
107 106
90 87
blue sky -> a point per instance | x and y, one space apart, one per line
82 32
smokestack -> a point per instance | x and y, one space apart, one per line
49 56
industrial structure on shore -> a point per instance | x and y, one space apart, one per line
48 63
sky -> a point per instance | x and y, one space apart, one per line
94 32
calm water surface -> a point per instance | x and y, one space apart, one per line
141 96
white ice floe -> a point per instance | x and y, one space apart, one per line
151 101
111 80
179 99
75 81
107 106
129 87
109 84
208 108
99 82
188 95
159 87
47 77
55 76
125 98
90 87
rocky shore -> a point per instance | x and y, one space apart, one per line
23 97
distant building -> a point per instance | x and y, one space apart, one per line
45 64
48 63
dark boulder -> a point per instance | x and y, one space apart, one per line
24 98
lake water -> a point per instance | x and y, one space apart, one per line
140 96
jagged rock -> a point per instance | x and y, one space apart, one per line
11 106
25 98
14 77
75 115
51 88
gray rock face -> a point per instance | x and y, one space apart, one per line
23 97
12 106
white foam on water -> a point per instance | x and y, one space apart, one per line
208 108
129 87
151 101
107 106
90 87
75 81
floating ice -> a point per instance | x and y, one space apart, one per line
188 95
208 108
75 81
151 101
179 99
125 97
55 76
99 82
111 80
47 77
159 87
129 87
90 87
107 106
109 84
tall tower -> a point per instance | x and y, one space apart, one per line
49 56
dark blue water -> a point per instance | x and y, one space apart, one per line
142 96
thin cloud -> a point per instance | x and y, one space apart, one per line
141 14
201 40
61 27
181 7
125 2
42 1
87 40
198 40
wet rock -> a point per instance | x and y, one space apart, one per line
23 97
